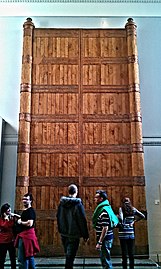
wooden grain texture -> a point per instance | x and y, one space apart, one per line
80 123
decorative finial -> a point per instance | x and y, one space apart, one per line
28 23
29 20
130 20
130 23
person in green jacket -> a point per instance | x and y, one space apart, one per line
104 220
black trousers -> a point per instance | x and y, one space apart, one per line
70 248
127 248
4 247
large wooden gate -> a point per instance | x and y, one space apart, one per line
80 123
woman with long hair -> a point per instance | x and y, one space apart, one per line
7 220
128 215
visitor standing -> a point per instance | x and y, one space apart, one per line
72 224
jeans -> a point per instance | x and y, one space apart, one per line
127 248
12 254
24 263
70 248
105 253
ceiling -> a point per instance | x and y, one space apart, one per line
80 8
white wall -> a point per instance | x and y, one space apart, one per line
1 149
11 34
8 183
153 181
149 48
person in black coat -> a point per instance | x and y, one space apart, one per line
72 224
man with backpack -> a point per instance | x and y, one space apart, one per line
104 220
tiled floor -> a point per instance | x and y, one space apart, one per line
88 263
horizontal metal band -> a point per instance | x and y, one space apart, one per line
85 89
22 181
115 181
136 117
23 148
87 181
53 181
25 117
88 118
55 89
134 87
27 59
133 59
25 87
87 149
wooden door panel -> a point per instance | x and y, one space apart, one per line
113 47
54 103
105 74
105 102
114 74
54 133
106 133
80 123
106 165
42 165
59 74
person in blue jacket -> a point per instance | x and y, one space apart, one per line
72 224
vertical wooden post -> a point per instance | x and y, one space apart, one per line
137 158
25 114
134 99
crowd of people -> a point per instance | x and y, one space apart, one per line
19 231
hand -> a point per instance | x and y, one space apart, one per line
19 221
98 246
132 224
6 217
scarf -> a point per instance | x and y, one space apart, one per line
105 205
